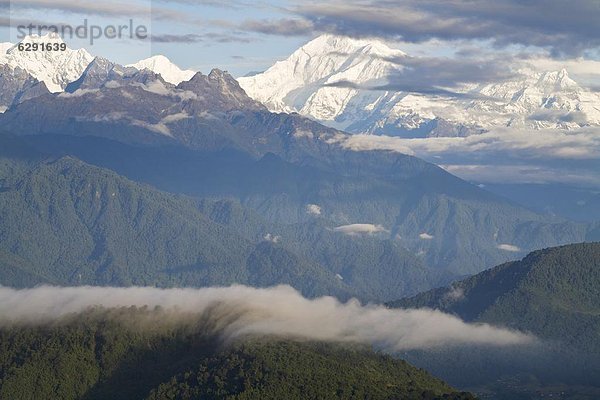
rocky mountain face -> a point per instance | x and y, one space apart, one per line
16 85
101 72
328 80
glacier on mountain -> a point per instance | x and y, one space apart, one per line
55 68
329 80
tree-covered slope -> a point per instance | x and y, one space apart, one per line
554 293
293 370
97 227
66 222
139 353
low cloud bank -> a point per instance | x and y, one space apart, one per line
505 155
583 143
281 310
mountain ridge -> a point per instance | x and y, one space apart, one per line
212 113
337 94
551 292
140 353
60 71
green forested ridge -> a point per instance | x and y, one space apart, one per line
375 267
404 194
65 222
249 198
554 293
134 353
69 223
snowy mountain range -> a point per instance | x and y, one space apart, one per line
55 68
21 70
309 82
206 138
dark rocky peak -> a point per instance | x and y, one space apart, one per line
17 85
102 71
220 90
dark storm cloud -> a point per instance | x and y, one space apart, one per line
232 4
198 38
226 37
98 8
188 38
565 27
449 72
404 87
280 27
438 76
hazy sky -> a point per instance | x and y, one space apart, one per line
242 36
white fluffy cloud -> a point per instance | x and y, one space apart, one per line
272 238
509 247
313 209
158 128
425 236
281 310
360 229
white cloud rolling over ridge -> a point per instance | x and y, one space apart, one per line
281 310
509 155
527 143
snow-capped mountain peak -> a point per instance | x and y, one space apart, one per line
327 44
4 47
55 68
163 66
299 83
305 83
560 80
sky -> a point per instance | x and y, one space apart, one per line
198 35
243 36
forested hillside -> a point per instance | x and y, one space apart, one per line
554 293
132 353
65 222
